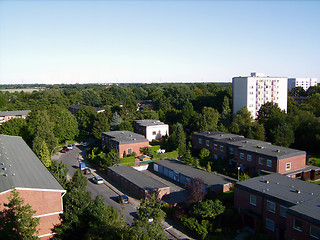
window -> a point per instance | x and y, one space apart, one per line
241 155
129 150
249 158
253 200
200 140
269 163
221 148
207 143
288 166
260 160
297 225
154 133
215 146
231 151
315 232
271 206
269 224
283 211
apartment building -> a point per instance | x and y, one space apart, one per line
21 169
255 157
7 115
124 142
283 207
255 90
305 83
151 129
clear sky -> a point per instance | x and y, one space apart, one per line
156 41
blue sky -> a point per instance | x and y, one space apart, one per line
156 41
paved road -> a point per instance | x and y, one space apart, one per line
71 159
109 192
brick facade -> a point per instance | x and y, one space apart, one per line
47 204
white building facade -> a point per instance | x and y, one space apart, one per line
151 129
305 83
255 90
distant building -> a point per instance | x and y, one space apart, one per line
22 170
136 182
181 173
285 208
74 108
305 83
151 129
124 142
255 157
255 90
7 115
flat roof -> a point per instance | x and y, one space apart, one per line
192 172
302 197
149 122
15 113
138 178
123 137
216 135
21 168
77 106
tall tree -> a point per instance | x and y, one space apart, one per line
116 120
14 127
86 117
177 139
101 124
16 219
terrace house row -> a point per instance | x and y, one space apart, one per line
255 157
7 115
124 142
284 207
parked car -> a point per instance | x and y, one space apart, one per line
69 147
123 199
97 180
64 150
136 215
87 171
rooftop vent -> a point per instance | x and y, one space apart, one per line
5 175
298 191
278 150
266 181
122 132
13 174
2 163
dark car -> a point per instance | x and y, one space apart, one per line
87 171
64 150
123 199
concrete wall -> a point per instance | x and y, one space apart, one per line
239 93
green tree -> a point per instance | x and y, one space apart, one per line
59 171
226 114
100 125
207 209
283 135
116 120
16 219
44 154
177 140
86 117
65 124
126 125
187 113
14 127
204 156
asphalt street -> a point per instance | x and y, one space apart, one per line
108 191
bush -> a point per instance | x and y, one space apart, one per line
195 226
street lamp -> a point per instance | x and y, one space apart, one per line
238 173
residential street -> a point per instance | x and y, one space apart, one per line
108 191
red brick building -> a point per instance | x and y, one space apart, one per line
283 207
253 156
7 115
35 184
124 142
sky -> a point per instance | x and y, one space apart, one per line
156 41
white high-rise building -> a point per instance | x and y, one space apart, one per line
301 82
255 90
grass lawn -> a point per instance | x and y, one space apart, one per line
128 161
160 156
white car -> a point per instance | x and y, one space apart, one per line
97 180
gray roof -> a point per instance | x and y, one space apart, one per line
21 168
268 150
216 135
192 172
77 106
124 137
138 178
15 113
149 122
284 190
